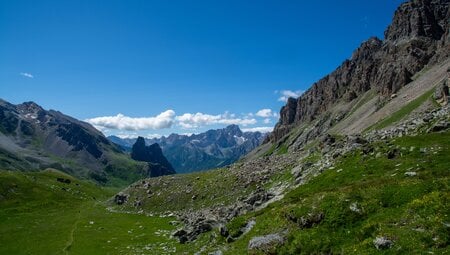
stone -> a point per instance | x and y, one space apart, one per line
310 220
218 252
392 153
382 242
137 203
410 174
223 230
265 243
63 180
440 126
205 227
354 207
120 198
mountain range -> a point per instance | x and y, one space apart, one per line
32 138
197 152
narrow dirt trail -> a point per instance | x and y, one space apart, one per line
69 243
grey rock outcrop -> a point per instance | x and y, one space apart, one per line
417 37
158 164
265 243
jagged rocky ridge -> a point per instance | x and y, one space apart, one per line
197 152
418 37
153 155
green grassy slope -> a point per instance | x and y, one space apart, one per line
412 211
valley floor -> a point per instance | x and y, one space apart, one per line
40 215
395 191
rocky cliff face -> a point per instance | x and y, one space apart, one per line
158 164
417 37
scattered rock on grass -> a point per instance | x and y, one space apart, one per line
382 242
410 174
265 244
120 198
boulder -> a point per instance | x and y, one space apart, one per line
410 174
120 198
266 244
382 242
440 126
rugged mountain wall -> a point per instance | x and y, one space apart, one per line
154 156
417 37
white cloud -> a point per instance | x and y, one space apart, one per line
264 113
122 122
258 129
266 121
189 120
136 135
127 136
151 136
285 94
28 75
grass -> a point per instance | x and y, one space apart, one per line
400 114
40 215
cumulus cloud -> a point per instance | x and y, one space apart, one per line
28 75
136 135
266 121
264 113
258 129
189 120
122 122
285 94
151 136
127 136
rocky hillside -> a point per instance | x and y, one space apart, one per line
153 155
32 138
211 149
416 40
350 194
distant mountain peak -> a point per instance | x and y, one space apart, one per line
153 155
233 129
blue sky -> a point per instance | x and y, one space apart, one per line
176 66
